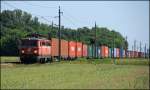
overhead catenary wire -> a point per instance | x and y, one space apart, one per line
69 20
41 6
74 18
39 16
44 17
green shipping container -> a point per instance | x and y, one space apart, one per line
110 52
89 51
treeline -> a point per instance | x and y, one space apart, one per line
17 24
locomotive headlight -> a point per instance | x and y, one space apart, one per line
22 51
35 51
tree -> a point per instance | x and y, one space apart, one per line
17 24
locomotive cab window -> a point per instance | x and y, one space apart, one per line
29 43
47 44
44 43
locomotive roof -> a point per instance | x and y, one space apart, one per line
33 38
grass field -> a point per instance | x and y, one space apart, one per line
79 74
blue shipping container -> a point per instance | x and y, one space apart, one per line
121 52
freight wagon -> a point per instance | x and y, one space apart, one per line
79 49
104 51
96 52
55 49
110 52
72 50
122 53
84 50
116 52
91 51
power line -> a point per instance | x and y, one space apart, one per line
69 20
42 17
40 5
75 19
10 5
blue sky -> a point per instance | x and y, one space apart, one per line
130 18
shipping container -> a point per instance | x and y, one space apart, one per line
130 54
135 54
54 44
72 49
121 52
110 52
64 49
89 53
124 53
84 51
55 48
97 52
79 49
115 52
118 52
104 51
142 54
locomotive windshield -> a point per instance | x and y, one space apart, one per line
29 43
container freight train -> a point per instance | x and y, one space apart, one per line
35 49
43 50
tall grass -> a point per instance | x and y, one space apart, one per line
9 59
75 76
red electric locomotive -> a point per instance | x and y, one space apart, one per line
35 49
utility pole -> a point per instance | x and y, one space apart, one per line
134 47
140 46
95 41
132 54
76 36
140 49
59 34
126 47
145 51
137 47
52 25
114 45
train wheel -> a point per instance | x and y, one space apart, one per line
43 60
40 61
22 60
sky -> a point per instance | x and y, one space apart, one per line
130 18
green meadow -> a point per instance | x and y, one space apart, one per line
78 74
